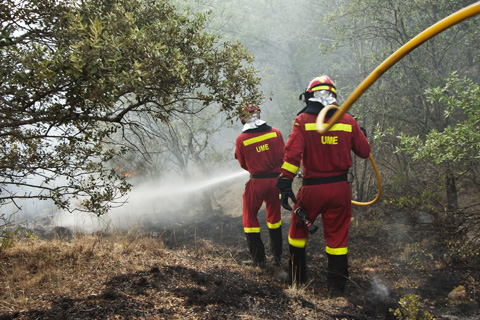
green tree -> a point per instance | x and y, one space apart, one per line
74 73
457 147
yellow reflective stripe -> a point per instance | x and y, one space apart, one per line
252 230
274 225
337 251
260 138
290 167
340 127
335 127
330 88
297 243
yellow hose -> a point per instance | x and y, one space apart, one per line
438 27
321 116
432 31
379 183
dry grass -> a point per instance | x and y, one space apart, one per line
195 272
80 267
129 276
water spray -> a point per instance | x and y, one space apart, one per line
428 33
146 200
213 181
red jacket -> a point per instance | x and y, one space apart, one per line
323 155
260 152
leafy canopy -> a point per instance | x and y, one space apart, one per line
459 144
74 73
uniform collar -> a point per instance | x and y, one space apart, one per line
253 125
315 107
262 128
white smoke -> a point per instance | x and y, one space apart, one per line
151 201
378 289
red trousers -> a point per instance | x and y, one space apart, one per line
333 202
256 192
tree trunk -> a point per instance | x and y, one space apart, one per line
451 189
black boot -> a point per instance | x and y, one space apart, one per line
297 265
276 244
256 248
337 274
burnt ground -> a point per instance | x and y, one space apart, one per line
196 270
401 257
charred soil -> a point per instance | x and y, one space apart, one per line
197 271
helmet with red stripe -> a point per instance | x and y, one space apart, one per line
248 109
322 83
321 89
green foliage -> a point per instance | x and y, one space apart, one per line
417 257
458 144
410 309
422 201
404 202
412 192
75 73
8 236
9 233
6 233
462 252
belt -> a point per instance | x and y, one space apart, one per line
324 180
265 175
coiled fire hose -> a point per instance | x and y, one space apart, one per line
428 33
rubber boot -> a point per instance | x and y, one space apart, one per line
337 274
276 244
256 248
297 265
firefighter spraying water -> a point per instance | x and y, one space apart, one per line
259 149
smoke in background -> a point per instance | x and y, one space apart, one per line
171 201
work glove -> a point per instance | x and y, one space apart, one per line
361 128
286 192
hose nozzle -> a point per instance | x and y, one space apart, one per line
303 221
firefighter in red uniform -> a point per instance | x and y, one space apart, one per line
259 149
325 190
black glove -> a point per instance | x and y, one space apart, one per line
361 128
364 131
286 192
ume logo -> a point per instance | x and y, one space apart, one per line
262 148
329 140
